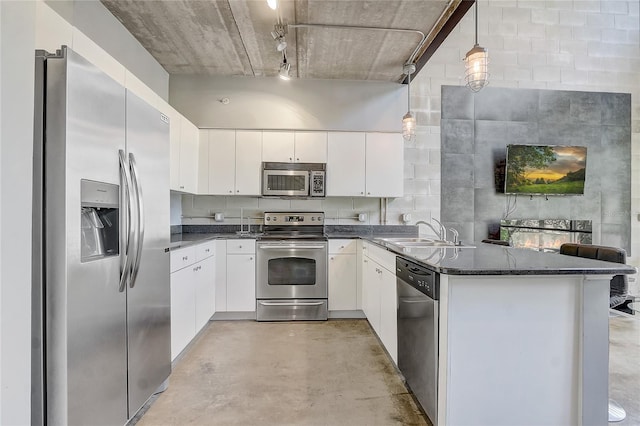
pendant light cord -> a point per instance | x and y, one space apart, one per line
476 22
409 92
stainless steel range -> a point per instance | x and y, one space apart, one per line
291 268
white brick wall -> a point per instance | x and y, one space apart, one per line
562 45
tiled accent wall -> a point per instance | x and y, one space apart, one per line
560 45
476 129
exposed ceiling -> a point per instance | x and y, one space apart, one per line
233 37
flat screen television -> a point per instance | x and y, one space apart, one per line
545 169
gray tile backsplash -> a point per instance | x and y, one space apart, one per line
502 116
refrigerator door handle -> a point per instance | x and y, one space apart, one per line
140 219
125 263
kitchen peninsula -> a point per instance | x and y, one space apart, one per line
522 335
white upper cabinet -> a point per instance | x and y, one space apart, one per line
188 157
234 160
278 146
294 147
203 162
346 164
310 147
248 162
174 147
221 162
384 165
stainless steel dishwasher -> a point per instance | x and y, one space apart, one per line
418 293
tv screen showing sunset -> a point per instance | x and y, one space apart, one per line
543 169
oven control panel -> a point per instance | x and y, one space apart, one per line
294 219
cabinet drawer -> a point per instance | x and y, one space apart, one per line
182 257
241 246
380 255
205 250
343 246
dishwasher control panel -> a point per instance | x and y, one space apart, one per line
417 276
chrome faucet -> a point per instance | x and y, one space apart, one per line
456 236
438 234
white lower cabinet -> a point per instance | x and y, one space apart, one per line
183 325
379 296
205 291
192 292
343 275
221 276
241 275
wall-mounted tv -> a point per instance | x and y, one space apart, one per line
545 169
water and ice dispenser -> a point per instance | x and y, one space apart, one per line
99 220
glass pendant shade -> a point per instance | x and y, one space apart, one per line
408 127
285 68
476 68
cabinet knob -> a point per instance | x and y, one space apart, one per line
240 246
368 193
230 192
290 158
365 261
237 190
251 258
181 187
206 251
297 159
331 257
361 192
341 247
185 257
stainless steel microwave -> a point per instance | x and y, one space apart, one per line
293 179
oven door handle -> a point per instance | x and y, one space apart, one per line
287 246
291 303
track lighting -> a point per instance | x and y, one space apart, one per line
278 34
409 121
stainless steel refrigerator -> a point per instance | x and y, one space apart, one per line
101 295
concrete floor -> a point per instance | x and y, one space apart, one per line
331 373
624 365
250 373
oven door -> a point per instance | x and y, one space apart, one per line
291 270
285 183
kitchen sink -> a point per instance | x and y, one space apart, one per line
418 242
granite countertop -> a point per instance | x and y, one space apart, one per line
490 259
189 239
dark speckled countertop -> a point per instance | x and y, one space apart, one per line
481 259
491 259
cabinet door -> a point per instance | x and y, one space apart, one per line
205 291
203 161
182 309
174 148
241 283
222 161
342 282
248 162
345 164
310 147
277 146
388 313
221 275
371 294
188 157
385 165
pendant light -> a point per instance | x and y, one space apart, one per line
476 63
409 121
